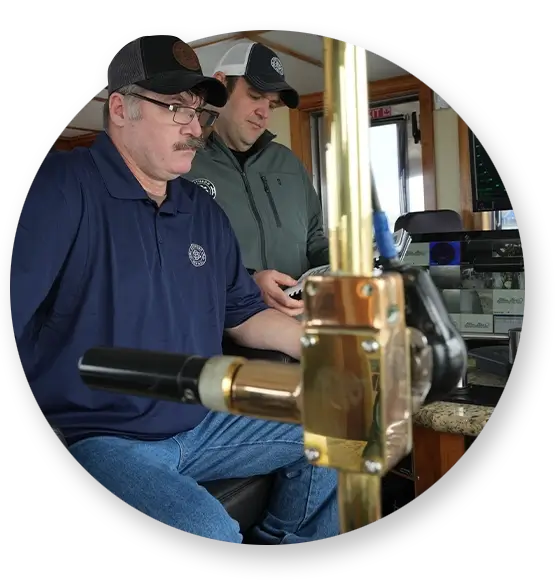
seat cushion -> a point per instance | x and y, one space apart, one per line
245 499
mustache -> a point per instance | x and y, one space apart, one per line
194 143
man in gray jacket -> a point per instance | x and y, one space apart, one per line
260 184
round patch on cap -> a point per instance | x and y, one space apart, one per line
186 56
276 64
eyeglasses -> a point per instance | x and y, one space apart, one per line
184 115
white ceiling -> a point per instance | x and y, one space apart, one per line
304 76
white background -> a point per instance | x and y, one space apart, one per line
220 12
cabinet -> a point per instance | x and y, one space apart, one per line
433 454
397 491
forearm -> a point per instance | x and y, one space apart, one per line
270 330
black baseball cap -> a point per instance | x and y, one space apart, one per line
261 67
165 65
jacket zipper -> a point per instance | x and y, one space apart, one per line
251 203
271 202
257 218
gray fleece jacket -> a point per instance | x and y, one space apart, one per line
270 202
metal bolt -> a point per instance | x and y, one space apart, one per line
373 467
312 454
367 290
393 313
370 346
307 340
310 289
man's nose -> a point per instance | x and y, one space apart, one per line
194 128
263 109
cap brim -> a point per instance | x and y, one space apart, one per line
215 93
289 96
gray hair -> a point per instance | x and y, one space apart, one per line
132 104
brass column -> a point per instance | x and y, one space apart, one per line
356 389
346 105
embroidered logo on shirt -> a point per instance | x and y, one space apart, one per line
207 185
197 255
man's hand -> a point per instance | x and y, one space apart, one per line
269 281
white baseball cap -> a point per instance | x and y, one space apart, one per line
261 67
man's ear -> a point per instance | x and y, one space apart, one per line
221 77
116 105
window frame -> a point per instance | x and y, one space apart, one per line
400 120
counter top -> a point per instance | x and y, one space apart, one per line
458 418
455 418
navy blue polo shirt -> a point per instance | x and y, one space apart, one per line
97 263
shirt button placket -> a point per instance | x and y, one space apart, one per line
159 238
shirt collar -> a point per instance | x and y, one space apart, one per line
123 185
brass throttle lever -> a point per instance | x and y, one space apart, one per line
263 389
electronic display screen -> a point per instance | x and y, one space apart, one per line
488 191
480 276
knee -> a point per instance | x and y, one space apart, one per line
321 477
325 482
221 528
203 516
145 482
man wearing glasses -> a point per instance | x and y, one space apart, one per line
114 249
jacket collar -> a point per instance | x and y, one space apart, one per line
265 139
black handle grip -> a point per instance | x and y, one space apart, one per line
160 375
426 311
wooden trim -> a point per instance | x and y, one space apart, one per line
300 135
434 454
426 125
67 143
87 129
383 90
466 209
471 220
402 86
62 144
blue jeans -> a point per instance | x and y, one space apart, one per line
160 478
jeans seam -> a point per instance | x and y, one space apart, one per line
181 456
309 494
301 522
260 443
